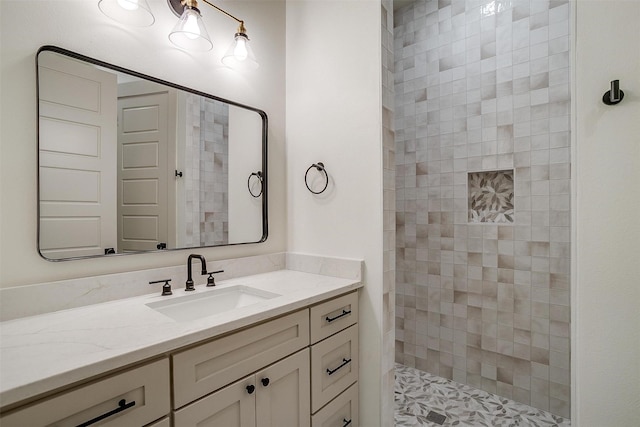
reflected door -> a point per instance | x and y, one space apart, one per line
143 222
77 113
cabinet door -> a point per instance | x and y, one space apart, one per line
233 406
283 397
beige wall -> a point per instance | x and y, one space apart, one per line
80 26
606 288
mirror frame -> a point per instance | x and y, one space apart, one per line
74 55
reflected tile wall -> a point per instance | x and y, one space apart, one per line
484 86
214 163
206 178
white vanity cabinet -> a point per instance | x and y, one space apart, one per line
315 385
297 370
274 390
135 397
165 422
209 367
340 412
334 362
276 396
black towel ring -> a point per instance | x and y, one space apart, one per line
260 178
320 167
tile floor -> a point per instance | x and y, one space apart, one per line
423 399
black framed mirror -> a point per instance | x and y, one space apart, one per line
128 163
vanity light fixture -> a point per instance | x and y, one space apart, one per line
129 12
189 33
240 53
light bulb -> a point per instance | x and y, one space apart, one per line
239 55
190 32
128 12
128 4
191 28
240 51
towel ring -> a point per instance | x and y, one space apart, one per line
260 178
320 167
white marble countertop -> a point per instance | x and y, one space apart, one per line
42 353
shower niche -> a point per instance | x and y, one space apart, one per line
491 197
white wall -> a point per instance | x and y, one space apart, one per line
245 211
78 25
606 289
334 117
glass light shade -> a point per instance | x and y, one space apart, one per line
190 32
129 12
240 55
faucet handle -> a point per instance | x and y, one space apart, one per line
211 281
166 288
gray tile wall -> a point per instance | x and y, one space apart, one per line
214 176
389 199
206 179
483 86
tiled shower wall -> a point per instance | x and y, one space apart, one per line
389 199
206 180
483 86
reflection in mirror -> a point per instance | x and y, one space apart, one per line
128 163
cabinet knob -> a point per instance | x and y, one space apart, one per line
251 389
265 381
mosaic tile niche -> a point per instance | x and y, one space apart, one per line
491 197
482 86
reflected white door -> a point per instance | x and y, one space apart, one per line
143 174
77 157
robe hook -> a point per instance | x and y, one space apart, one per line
615 95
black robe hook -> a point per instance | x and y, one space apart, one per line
615 95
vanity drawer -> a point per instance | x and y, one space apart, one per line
209 367
334 366
131 398
165 422
340 412
333 316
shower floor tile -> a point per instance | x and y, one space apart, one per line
420 397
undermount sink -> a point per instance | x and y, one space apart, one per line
210 302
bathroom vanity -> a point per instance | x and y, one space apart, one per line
289 358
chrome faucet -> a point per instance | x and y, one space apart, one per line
189 284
